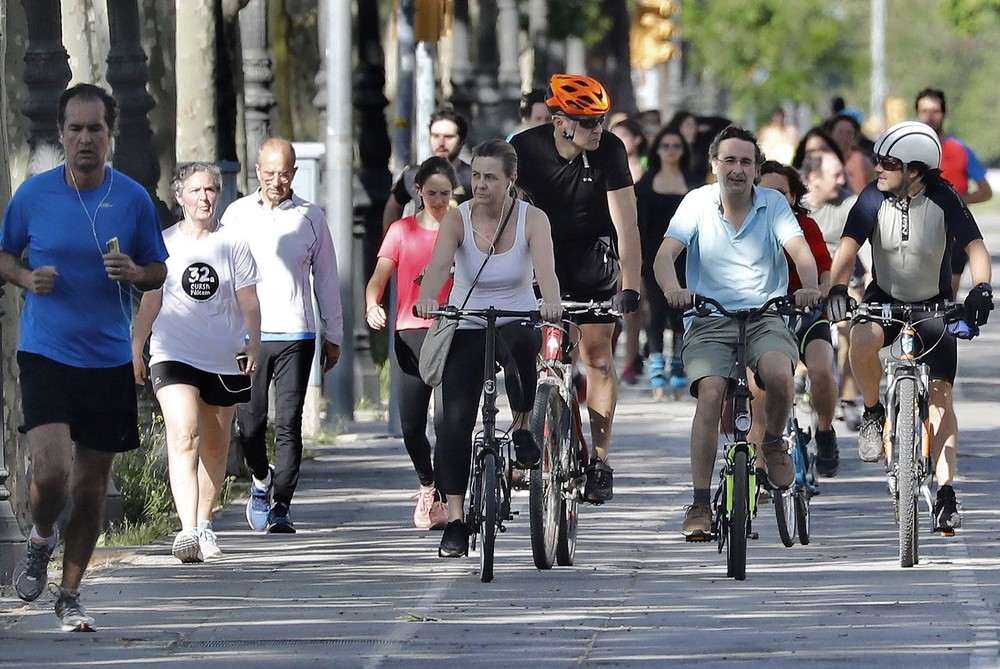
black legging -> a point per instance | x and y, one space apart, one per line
462 390
661 317
414 398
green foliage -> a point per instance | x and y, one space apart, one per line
765 52
578 18
969 16
141 475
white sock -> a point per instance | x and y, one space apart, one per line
49 541
204 525
262 483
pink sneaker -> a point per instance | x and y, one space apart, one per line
438 515
422 513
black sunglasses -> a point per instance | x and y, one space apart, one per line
889 164
591 122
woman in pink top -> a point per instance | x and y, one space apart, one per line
406 250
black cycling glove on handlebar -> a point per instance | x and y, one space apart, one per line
838 303
626 301
978 304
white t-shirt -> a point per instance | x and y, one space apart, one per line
200 323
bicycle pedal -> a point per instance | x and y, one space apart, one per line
698 538
753 535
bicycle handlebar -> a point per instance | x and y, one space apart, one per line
783 305
455 313
592 306
902 312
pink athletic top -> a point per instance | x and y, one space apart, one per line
409 245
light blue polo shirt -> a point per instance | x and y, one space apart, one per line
742 268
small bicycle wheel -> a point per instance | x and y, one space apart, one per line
739 517
570 501
490 496
784 512
802 516
545 483
907 485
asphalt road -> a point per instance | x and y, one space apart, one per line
359 587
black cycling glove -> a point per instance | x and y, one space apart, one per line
838 303
978 304
625 302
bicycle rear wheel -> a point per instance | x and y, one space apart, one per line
544 490
739 517
784 502
569 505
802 516
490 500
907 485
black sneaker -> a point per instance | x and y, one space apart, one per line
279 521
946 515
870 447
455 541
827 453
526 453
600 482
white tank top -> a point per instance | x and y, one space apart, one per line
506 279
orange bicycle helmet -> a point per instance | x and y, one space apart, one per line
577 95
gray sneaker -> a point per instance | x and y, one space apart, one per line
870 447
72 615
32 572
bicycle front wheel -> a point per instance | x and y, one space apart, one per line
739 517
569 506
490 500
544 490
784 512
907 483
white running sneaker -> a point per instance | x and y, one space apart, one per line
209 543
186 546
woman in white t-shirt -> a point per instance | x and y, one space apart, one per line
205 323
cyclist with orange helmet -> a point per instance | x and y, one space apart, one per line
579 176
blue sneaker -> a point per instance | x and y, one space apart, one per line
279 521
259 505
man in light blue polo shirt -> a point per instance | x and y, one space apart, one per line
735 234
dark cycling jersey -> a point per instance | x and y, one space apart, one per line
572 194
910 239
405 189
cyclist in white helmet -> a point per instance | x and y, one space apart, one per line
909 215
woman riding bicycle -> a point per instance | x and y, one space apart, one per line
475 237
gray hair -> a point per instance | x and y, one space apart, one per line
185 170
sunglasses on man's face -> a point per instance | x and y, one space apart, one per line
590 123
890 164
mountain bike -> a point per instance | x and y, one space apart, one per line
735 502
492 462
556 487
906 434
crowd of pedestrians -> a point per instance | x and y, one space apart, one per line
563 209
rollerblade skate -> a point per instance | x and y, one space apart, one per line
657 376
678 379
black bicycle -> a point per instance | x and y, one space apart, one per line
492 464
735 503
556 486
906 436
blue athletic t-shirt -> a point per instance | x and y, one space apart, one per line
84 321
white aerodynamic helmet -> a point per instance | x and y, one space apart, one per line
909 141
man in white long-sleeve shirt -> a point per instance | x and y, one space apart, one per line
291 243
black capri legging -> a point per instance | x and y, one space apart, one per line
462 390
414 398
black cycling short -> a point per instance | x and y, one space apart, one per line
220 390
810 329
98 404
942 359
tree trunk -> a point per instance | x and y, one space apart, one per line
196 122
609 59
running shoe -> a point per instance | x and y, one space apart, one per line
629 376
870 447
71 613
208 542
455 541
827 453
697 522
32 572
187 547
259 504
438 515
422 512
279 521
946 515
851 416
526 452
778 461
600 482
